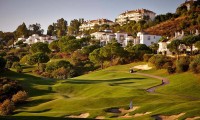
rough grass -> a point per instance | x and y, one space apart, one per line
112 87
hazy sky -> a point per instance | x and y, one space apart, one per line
15 12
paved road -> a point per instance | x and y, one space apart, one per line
152 89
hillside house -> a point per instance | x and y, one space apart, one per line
163 44
106 36
87 25
146 38
36 38
135 15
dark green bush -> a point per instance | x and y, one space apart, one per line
171 70
195 64
60 73
158 61
182 65
146 57
51 66
168 64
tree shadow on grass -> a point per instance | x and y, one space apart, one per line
29 82
80 81
38 118
120 83
35 102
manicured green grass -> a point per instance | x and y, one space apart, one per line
112 87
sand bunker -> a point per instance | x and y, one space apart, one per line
141 114
172 117
100 117
142 67
133 116
121 110
194 118
83 115
127 111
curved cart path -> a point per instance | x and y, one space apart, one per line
165 81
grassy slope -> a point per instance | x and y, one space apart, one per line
111 87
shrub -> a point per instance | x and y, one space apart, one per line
42 67
7 88
12 58
182 65
19 69
8 64
7 107
168 64
146 57
19 97
171 70
15 65
195 64
158 61
56 65
61 73
46 74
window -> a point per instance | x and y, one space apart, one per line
149 38
122 37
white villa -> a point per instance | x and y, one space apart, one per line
163 44
91 23
106 36
36 38
145 38
135 15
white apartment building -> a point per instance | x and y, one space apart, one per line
135 15
36 38
105 37
91 23
145 38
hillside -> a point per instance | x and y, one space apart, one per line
169 27
95 94
186 18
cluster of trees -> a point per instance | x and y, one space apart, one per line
177 46
172 65
61 28
11 94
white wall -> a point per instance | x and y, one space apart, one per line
148 39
